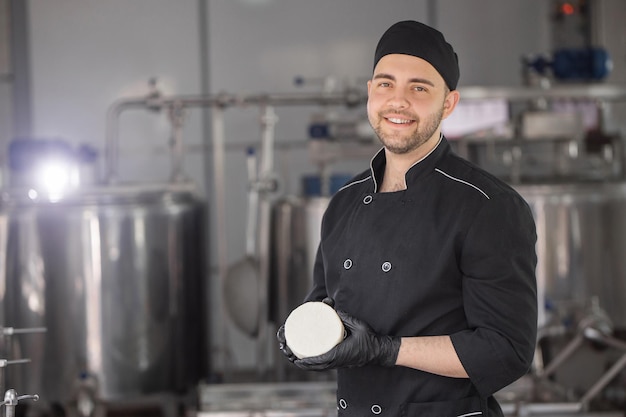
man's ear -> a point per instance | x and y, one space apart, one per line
450 102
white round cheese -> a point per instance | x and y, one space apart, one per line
313 329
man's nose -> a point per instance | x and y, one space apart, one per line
399 98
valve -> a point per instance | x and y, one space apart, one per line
11 399
6 362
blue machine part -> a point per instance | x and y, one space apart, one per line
319 130
581 64
575 64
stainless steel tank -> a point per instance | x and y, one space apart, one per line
116 276
296 224
581 248
295 236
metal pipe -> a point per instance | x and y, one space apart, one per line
6 362
268 124
111 150
155 102
176 115
349 97
562 356
545 332
8 331
601 92
604 380
217 126
529 409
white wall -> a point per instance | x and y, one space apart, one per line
88 53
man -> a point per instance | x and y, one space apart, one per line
429 260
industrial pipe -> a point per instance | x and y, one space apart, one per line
155 101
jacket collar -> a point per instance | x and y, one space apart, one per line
419 168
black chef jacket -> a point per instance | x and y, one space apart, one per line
453 254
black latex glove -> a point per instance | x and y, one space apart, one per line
282 344
282 341
360 347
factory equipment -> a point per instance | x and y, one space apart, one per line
11 398
252 316
115 273
296 399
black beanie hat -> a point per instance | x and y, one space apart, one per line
417 39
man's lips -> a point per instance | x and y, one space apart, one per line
398 120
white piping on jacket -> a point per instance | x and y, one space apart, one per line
354 182
475 413
431 151
372 169
462 182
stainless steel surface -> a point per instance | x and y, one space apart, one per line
602 92
581 243
543 124
296 224
266 186
554 410
116 276
529 397
299 399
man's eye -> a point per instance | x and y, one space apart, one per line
384 84
419 88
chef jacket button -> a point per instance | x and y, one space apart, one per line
368 199
343 404
347 264
376 409
386 267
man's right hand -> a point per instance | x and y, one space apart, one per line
282 344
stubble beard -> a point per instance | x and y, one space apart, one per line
399 144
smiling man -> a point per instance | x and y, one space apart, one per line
428 259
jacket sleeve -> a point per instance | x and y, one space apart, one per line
498 262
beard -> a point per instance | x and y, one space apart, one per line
399 143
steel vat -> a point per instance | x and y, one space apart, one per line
116 277
581 248
296 223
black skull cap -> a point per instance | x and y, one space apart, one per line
417 39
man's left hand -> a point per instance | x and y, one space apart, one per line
360 347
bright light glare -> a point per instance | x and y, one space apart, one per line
54 176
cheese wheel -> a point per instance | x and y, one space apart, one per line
313 329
